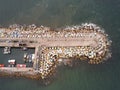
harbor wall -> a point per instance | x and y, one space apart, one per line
19 72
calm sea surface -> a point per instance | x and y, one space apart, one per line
57 13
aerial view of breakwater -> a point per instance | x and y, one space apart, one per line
53 47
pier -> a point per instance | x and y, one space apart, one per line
51 46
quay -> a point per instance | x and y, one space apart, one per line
52 47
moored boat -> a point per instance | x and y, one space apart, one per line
7 50
21 65
2 65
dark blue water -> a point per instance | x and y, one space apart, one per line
57 13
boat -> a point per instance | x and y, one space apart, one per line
21 65
31 58
28 58
7 50
25 57
12 63
2 65
24 48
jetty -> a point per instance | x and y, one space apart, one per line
55 46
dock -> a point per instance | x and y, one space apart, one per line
51 46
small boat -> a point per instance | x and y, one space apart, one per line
7 50
21 65
28 58
12 63
2 65
24 48
25 57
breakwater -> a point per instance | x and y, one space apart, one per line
55 46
